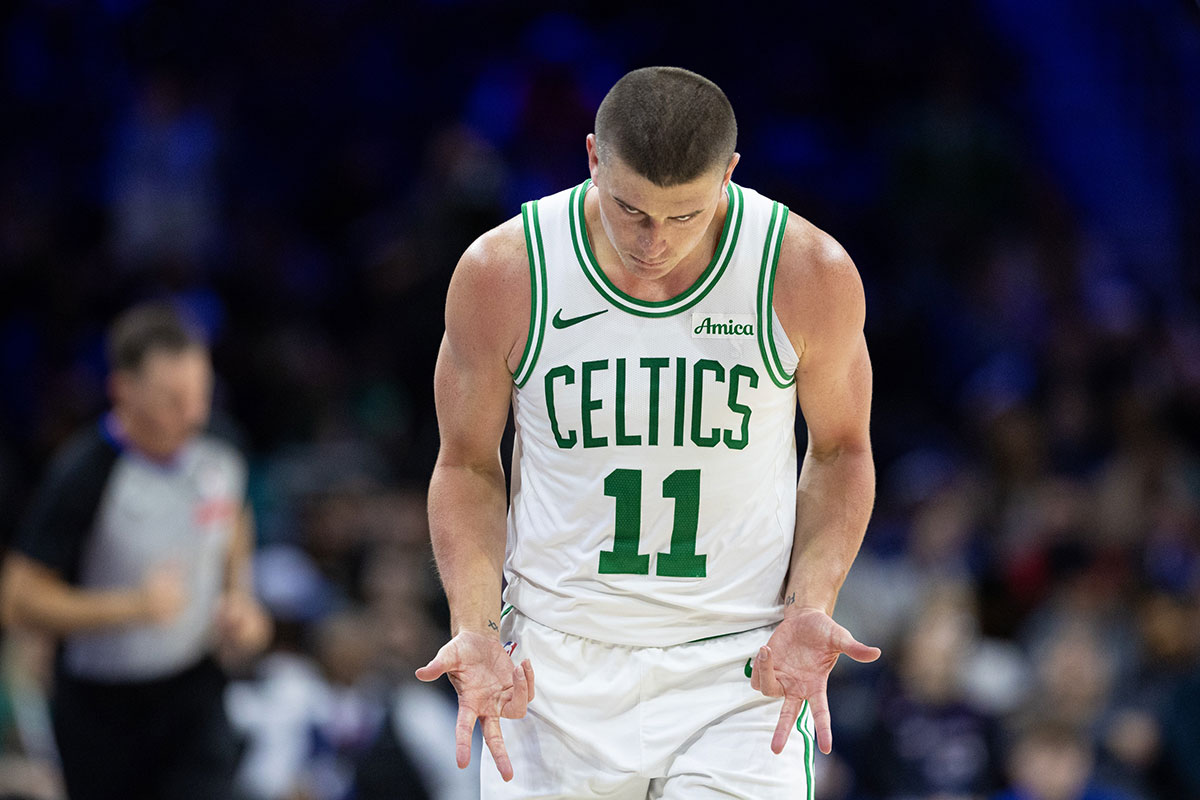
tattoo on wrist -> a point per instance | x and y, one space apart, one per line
493 625
791 598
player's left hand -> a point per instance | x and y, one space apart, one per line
243 627
795 663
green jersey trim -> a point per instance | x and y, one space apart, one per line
655 308
766 294
537 293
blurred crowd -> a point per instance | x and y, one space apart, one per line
1018 182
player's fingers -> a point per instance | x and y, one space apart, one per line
846 642
787 719
462 736
527 668
768 681
435 669
495 744
514 708
863 653
819 703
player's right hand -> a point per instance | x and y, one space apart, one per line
162 594
489 687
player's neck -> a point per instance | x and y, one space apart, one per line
675 282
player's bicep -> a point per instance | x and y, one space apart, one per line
833 377
834 392
472 395
487 314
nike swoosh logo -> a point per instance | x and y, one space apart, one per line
561 323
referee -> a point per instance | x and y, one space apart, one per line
136 555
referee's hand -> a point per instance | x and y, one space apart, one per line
162 595
795 663
489 687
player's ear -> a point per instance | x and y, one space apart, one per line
593 151
729 170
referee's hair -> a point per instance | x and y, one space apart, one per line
145 328
667 123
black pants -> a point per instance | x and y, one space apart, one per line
167 739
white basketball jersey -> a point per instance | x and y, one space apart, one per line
654 469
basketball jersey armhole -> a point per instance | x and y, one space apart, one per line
766 293
537 292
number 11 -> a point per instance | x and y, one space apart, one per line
682 560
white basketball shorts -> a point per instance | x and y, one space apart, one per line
611 721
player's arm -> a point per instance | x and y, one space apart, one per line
487 317
819 299
34 596
836 490
486 320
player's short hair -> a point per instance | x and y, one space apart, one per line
667 123
146 328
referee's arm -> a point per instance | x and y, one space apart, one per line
244 628
35 588
35 597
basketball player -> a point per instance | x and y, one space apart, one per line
655 327
136 556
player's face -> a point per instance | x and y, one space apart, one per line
167 401
654 228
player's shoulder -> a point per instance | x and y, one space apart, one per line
488 302
491 290
813 257
816 282
498 256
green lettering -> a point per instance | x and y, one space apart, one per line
739 371
655 365
622 437
680 398
587 405
625 486
568 376
682 560
702 366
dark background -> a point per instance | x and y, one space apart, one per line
1018 182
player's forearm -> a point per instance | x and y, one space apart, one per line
467 510
833 504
